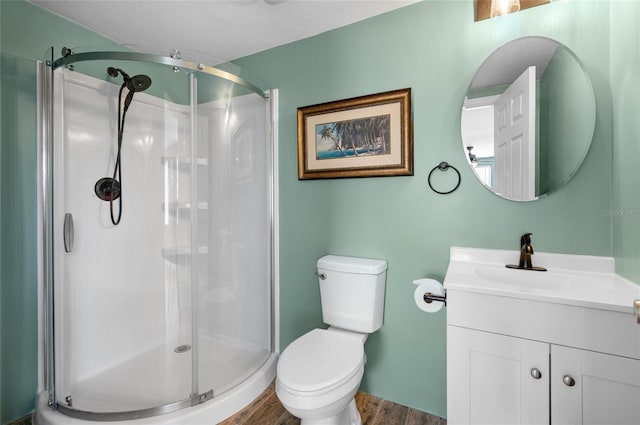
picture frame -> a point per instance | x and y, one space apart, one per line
366 136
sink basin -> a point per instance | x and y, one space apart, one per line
587 281
538 282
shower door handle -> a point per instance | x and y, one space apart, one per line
67 232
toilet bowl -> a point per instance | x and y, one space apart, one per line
319 373
318 376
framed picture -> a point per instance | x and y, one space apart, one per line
364 136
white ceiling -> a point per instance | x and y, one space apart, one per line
506 64
214 31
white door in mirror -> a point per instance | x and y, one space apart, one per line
515 139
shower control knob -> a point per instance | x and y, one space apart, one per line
535 373
568 381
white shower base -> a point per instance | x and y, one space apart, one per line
235 372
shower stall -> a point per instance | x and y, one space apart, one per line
156 237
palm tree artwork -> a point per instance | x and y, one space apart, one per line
353 138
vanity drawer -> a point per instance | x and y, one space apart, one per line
593 329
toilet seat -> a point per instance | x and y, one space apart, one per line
320 361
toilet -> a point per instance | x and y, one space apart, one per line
319 373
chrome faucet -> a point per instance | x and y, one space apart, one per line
526 251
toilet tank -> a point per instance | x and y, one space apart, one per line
352 292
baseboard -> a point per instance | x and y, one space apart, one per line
25 420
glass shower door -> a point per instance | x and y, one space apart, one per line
172 305
233 322
123 313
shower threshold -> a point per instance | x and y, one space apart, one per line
160 380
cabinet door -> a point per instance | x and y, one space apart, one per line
594 388
490 379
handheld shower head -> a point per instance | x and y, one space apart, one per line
138 83
110 189
135 84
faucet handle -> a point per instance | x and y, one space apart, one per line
525 239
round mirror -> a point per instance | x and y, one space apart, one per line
528 118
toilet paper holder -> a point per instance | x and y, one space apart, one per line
429 298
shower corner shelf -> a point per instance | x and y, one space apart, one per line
182 209
184 163
180 253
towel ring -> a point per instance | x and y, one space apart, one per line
444 166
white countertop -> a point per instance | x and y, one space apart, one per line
582 280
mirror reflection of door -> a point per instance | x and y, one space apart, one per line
515 139
477 132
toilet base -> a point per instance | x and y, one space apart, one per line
348 416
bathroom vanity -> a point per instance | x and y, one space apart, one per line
529 347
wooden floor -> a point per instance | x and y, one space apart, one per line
267 410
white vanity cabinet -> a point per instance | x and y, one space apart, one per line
496 379
499 379
605 390
535 352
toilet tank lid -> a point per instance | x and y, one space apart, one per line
352 264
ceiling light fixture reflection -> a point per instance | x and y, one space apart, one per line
504 7
473 160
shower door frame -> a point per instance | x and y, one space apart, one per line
45 189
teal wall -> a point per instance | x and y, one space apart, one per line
625 87
18 302
26 32
565 96
433 47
